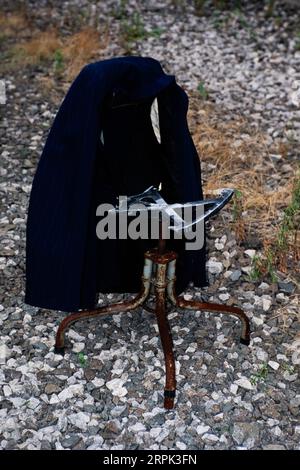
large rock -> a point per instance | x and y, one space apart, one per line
247 433
214 266
79 420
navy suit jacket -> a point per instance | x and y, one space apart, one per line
66 264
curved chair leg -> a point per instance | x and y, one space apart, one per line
165 335
209 307
113 308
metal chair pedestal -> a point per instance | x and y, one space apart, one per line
161 264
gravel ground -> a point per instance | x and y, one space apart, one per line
249 66
107 391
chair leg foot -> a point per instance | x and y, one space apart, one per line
59 350
245 341
169 399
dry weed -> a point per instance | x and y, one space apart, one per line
12 25
40 47
235 155
288 312
81 47
64 55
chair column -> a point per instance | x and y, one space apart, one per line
165 334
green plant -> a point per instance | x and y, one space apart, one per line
202 91
244 23
289 222
261 375
263 266
218 21
221 4
241 17
289 228
82 359
270 9
237 204
133 28
285 242
198 5
178 3
218 4
120 11
58 61
156 32
255 273
270 266
278 21
238 221
288 368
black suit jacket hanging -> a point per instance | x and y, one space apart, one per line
66 264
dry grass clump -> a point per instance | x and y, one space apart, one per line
40 47
63 55
82 47
234 154
12 24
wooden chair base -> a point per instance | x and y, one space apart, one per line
164 289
